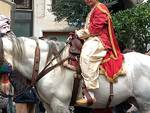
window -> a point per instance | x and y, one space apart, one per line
53 4
23 4
23 23
23 18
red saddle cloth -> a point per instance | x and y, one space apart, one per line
112 67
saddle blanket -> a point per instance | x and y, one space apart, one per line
112 67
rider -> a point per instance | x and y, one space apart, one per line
100 49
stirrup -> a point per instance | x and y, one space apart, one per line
87 99
85 102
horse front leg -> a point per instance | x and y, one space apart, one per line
47 108
59 107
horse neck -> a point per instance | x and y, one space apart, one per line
20 52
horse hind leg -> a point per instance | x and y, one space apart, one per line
144 107
143 101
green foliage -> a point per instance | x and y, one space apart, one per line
71 10
133 27
74 11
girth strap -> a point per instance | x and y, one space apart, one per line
111 95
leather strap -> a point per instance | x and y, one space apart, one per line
36 76
36 65
110 96
48 69
86 93
75 91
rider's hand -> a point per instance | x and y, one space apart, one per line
82 33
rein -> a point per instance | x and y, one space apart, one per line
37 76
44 72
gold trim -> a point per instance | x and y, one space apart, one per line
109 29
110 57
111 39
113 80
105 60
104 11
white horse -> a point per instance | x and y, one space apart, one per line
55 88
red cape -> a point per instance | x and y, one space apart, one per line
101 26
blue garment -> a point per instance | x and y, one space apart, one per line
28 96
22 93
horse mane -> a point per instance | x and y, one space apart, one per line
55 44
55 47
19 48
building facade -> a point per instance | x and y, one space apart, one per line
45 24
7 8
35 18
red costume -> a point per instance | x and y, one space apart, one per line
99 49
101 26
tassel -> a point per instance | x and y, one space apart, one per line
5 83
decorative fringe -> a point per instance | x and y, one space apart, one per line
121 72
4 83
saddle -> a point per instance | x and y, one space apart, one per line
75 49
74 54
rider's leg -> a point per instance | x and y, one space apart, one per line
90 59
